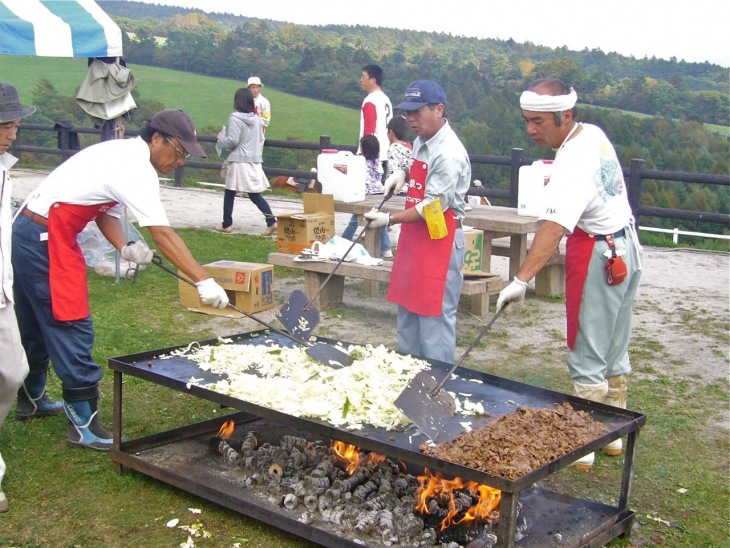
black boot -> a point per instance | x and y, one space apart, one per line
32 398
84 429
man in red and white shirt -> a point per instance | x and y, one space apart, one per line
376 110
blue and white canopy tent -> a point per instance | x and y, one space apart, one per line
74 28
58 28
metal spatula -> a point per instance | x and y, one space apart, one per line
324 353
423 401
297 314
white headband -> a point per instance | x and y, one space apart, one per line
529 100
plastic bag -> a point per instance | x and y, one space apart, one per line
100 254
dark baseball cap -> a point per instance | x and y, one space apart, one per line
178 124
10 107
422 92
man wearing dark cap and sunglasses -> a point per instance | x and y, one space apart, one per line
50 271
426 278
13 365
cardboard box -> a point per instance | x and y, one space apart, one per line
473 251
250 287
297 231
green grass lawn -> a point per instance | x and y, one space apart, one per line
69 498
208 100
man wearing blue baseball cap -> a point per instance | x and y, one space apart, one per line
426 277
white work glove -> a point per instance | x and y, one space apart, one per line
211 293
377 218
394 183
513 292
137 252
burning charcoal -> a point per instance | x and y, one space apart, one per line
361 475
276 470
249 445
228 452
323 469
324 504
332 495
290 501
249 462
293 442
385 523
366 522
382 501
385 486
319 485
298 488
307 518
408 524
311 502
362 492
337 516
483 540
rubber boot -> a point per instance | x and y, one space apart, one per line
596 393
32 398
84 428
618 390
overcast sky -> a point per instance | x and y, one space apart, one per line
693 30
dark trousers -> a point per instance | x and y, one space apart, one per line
68 344
229 198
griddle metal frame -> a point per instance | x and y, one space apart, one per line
499 396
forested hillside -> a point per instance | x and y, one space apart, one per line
482 78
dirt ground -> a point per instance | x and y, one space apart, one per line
682 312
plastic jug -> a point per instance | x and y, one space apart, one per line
342 174
531 188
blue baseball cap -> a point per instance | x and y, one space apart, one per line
422 92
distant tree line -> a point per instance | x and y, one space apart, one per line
482 78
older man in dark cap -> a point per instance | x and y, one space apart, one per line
52 296
13 365
426 278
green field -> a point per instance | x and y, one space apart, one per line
208 100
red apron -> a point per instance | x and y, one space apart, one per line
578 250
67 267
418 276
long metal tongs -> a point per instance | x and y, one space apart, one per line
297 314
324 353
425 404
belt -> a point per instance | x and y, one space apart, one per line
38 219
619 234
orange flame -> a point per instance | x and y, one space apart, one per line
348 453
226 430
374 459
436 487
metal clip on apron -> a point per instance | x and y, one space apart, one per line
615 266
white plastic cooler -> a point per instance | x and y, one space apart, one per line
531 188
342 174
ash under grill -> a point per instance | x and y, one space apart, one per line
528 514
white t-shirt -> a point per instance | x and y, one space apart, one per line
587 187
376 105
111 171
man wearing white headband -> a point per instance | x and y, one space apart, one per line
586 198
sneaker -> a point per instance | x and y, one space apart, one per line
225 229
4 507
387 254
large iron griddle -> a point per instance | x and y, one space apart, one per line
498 396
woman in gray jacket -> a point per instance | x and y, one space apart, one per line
243 167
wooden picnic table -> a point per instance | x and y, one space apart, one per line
495 221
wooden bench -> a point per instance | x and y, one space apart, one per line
479 290
549 282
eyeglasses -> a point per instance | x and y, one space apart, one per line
184 155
